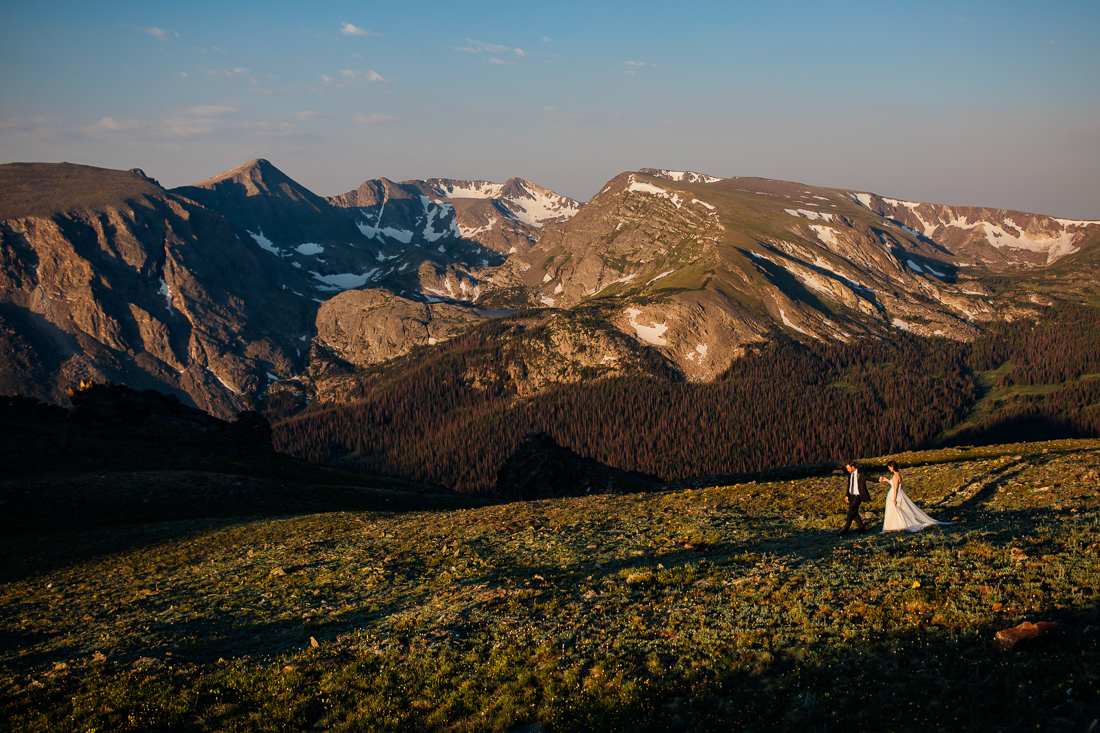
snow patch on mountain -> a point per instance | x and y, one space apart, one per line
468 233
309 248
343 281
538 208
624 279
167 293
401 235
813 215
652 333
680 176
654 190
431 211
825 234
470 190
999 236
864 199
789 323
267 244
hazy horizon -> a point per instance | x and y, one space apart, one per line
973 104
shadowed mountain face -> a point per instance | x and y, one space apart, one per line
213 291
139 286
225 290
263 201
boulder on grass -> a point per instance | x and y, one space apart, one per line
1008 640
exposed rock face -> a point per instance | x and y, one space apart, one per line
541 469
373 326
709 266
142 287
470 226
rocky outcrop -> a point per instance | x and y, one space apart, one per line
1011 639
372 326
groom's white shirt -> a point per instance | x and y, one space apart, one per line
853 487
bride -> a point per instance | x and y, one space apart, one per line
901 512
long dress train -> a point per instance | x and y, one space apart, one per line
906 515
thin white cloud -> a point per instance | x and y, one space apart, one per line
370 75
478 47
190 122
240 70
372 119
500 62
159 33
180 74
43 126
353 30
633 63
208 110
546 39
310 114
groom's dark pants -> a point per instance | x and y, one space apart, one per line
853 513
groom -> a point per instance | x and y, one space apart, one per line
854 495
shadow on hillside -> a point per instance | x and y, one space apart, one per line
908 680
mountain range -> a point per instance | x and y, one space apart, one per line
247 289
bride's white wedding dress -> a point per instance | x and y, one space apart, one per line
905 514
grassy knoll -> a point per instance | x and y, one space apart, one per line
731 607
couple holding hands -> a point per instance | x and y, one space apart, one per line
901 512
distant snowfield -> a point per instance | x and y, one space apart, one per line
309 248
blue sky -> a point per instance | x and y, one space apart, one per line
967 103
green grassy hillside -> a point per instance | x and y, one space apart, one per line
729 607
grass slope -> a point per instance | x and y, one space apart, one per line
719 608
